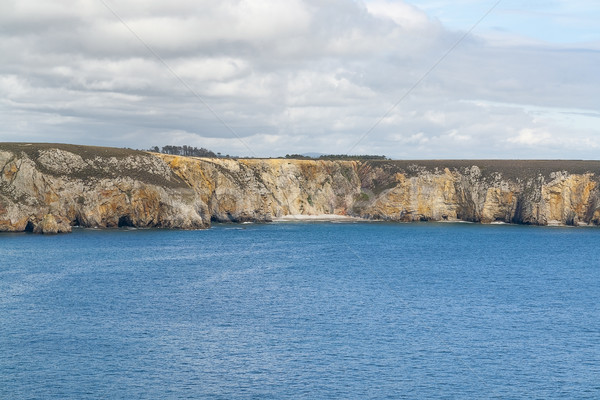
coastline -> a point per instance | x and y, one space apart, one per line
50 188
319 218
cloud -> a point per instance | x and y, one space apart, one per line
530 137
402 14
289 77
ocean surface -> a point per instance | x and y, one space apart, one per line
302 311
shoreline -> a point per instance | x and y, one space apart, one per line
319 218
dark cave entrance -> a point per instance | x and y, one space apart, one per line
76 222
125 221
29 227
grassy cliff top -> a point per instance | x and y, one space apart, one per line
99 163
85 152
509 169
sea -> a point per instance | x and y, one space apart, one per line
311 310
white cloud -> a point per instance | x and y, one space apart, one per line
290 77
403 14
530 137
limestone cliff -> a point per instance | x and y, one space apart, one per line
523 192
260 190
529 192
49 188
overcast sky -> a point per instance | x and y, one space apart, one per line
273 77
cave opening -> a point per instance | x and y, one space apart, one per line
29 227
125 221
76 221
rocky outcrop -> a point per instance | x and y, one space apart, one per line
50 188
261 190
523 192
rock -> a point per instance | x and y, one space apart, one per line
49 188
47 225
505 191
260 190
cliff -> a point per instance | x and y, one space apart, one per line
512 191
524 192
261 190
49 188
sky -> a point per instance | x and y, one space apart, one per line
414 79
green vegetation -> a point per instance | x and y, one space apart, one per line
185 150
298 157
348 173
362 196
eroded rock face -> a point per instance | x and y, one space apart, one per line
50 224
530 193
570 199
527 192
49 188
419 198
260 190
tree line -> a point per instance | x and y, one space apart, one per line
184 150
190 151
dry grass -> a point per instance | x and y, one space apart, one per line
86 152
32 150
509 169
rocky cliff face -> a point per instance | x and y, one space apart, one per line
523 192
49 188
527 192
261 190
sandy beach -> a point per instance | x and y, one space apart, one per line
320 217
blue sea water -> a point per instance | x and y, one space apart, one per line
302 311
